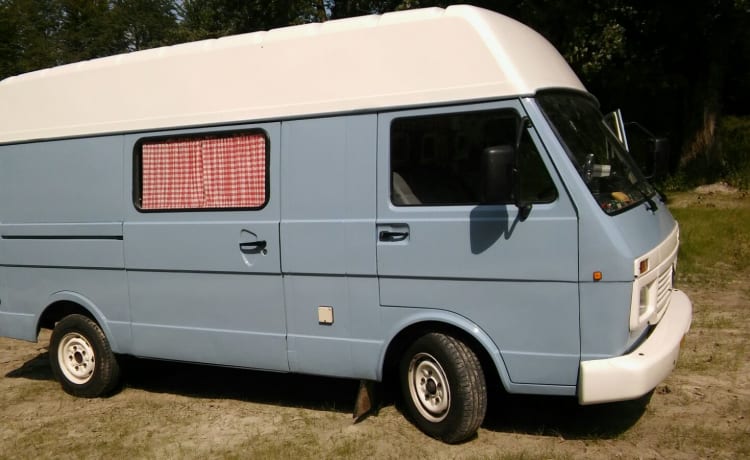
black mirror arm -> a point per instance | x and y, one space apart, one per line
522 125
524 209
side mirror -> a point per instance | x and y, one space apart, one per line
501 178
651 153
498 165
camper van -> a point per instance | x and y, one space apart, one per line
426 197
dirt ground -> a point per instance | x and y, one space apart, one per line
168 410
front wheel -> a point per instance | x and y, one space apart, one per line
81 358
443 387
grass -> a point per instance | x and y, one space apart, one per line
683 437
714 241
715 261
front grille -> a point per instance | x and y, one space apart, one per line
663 290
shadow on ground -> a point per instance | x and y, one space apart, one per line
535 415
36 368
562 416
201 381
292 390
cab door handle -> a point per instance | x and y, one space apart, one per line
387 235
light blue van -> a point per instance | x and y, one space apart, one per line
428 196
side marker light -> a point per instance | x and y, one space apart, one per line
597 276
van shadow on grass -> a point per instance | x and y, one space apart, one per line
202 381
534 415
562 417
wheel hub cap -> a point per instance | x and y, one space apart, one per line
428 386
75 356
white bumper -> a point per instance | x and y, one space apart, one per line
635 374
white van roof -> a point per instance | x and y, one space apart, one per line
406 58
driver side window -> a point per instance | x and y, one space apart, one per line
436 159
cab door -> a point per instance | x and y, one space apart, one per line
441 247
202 247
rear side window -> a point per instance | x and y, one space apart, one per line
227 171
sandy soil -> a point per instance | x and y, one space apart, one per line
168 410
719 195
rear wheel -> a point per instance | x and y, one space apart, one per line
81 358
443 387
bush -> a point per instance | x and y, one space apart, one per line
734 150
727 161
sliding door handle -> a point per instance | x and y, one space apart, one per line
253 246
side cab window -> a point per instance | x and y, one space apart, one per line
436 159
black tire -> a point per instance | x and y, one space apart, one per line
81 358
443 387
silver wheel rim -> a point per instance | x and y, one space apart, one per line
75 356
428 386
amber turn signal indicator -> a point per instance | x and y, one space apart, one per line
597 276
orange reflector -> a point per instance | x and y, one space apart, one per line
643 267
597 276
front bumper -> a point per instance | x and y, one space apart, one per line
635 374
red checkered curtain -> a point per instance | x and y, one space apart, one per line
228 172
234 171
172 175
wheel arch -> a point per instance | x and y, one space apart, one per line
64 303
471 334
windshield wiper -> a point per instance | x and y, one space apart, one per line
650 203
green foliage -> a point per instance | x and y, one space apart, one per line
216 18
734 150
86 30
26 29
35 34
677 182
145 24
727 161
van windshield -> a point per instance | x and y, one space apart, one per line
604 165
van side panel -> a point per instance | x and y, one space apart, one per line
28 290
196 293
76 180
61 231
328 245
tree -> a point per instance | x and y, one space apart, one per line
217 18
27 31
88 30
146 23
9 41
36 34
